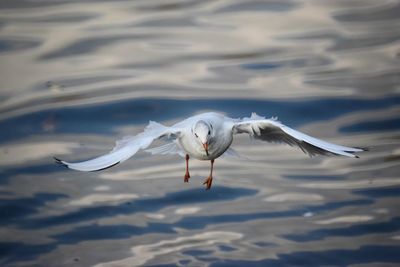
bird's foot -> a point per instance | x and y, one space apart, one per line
208 182
186 177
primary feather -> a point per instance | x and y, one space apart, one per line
124 149
272 130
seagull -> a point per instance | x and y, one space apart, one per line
207 136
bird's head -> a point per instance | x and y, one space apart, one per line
202 131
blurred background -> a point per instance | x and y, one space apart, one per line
77 75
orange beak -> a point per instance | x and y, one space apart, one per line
206 148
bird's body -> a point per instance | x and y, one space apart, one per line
206 137
220 140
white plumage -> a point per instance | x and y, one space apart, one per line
206 137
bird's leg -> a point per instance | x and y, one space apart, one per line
187 175
208 181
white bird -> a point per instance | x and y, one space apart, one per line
206 137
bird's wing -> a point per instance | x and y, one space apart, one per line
124 148
272 130
167 149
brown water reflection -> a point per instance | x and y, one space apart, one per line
76 75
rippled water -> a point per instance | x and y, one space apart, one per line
76 75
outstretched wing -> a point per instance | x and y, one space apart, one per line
272 130
168 149
124 148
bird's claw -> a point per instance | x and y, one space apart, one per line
186 177
208 182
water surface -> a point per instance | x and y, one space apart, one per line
77 75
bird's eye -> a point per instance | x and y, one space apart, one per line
209 132
196 135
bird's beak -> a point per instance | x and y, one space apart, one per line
206 148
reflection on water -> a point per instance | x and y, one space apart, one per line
76 75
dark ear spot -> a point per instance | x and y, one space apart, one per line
196 135
211 126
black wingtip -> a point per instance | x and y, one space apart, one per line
105 168
59 161
363 148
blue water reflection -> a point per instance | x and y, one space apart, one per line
337 257
355 230
77 75
104 119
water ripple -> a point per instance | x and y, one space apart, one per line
76 75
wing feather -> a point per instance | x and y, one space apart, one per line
124 148
272 130
167 149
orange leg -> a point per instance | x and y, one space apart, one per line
187 175
208 181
